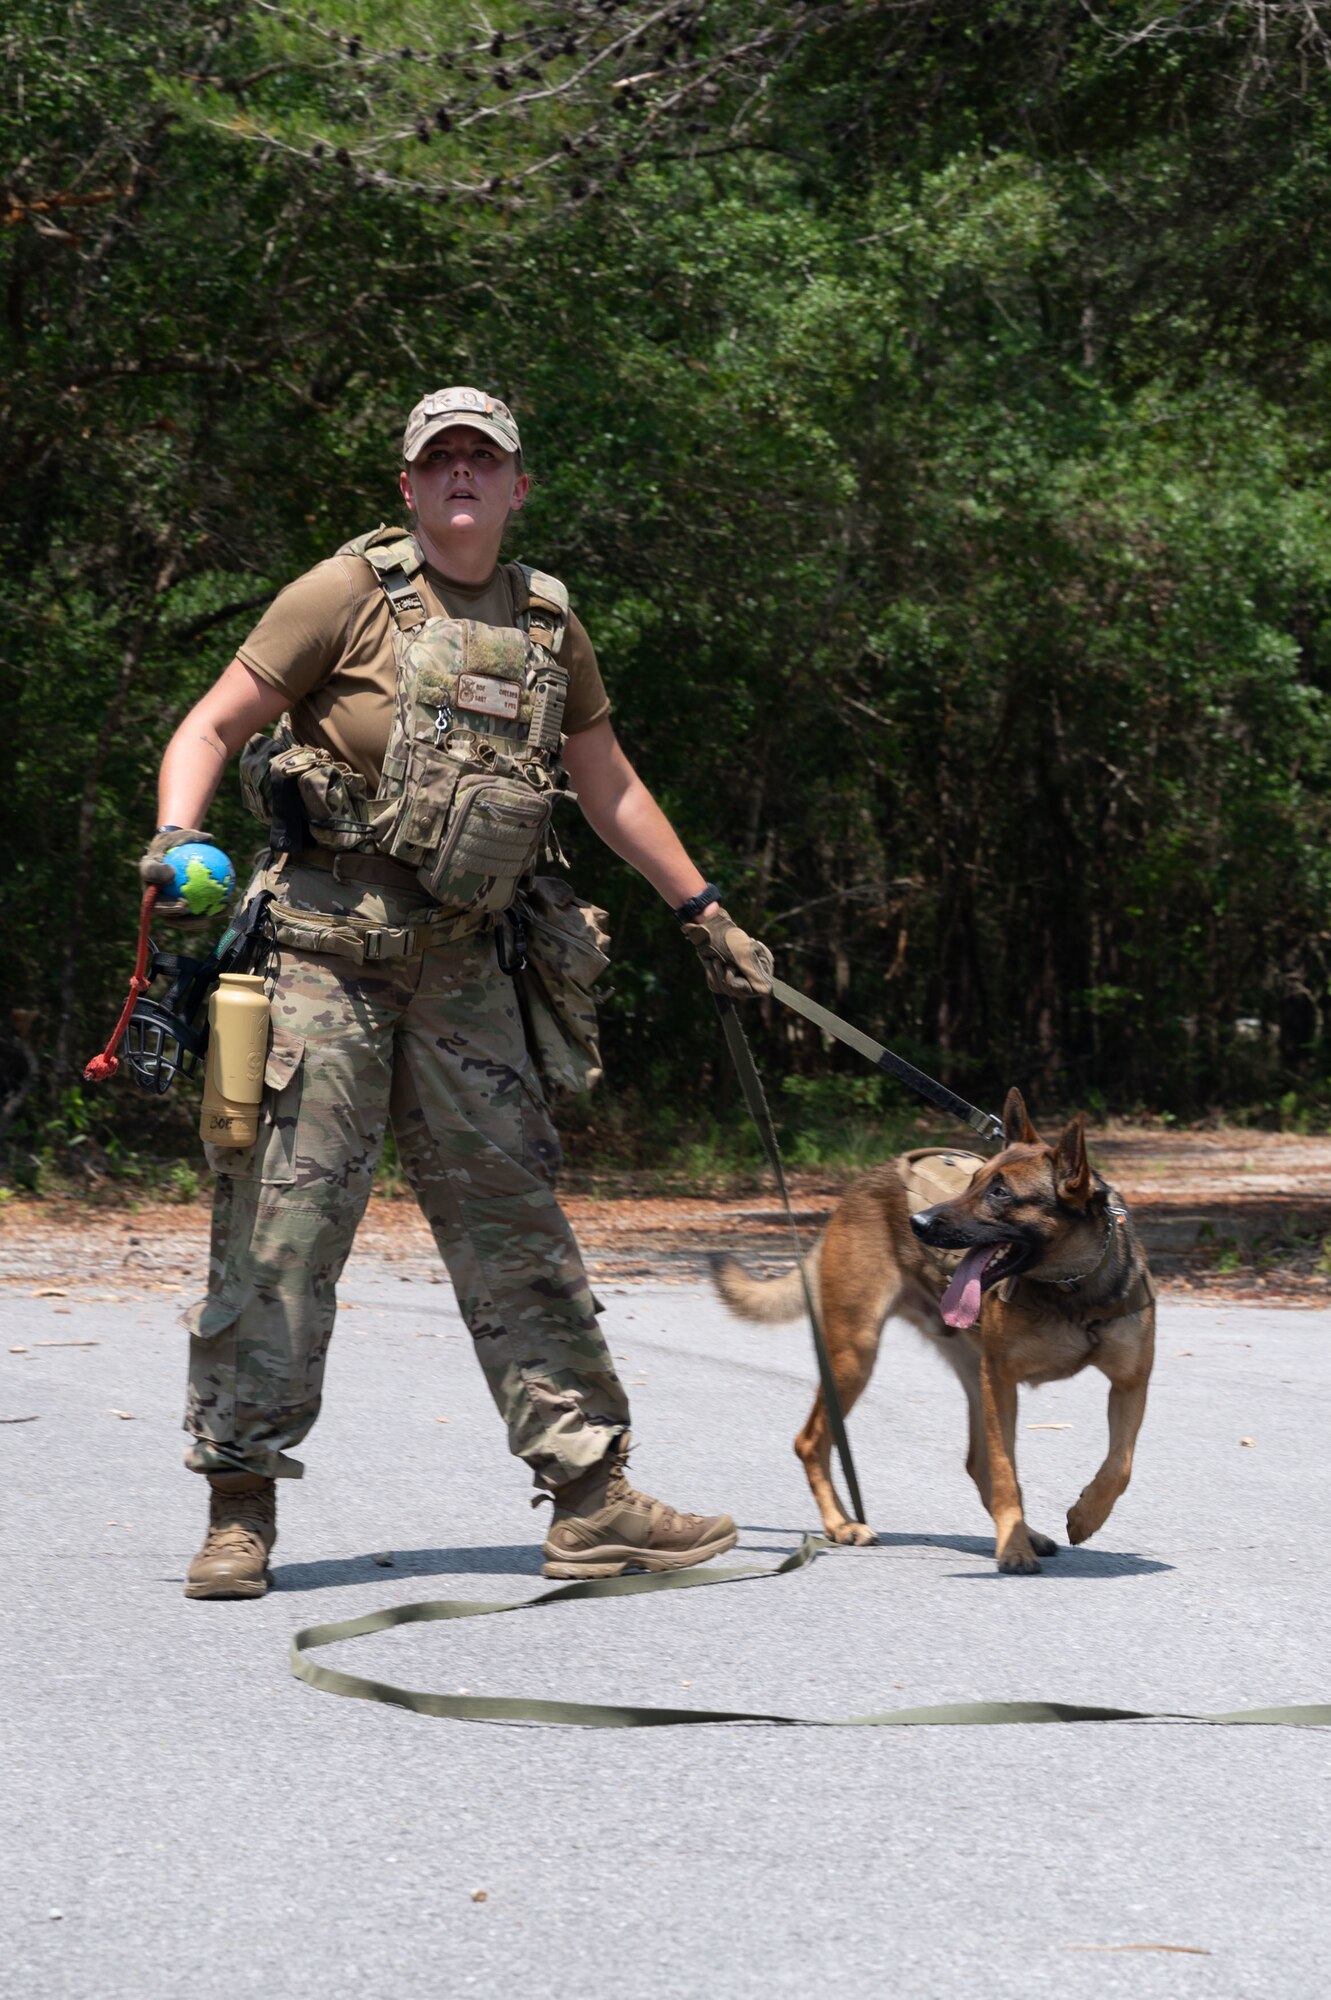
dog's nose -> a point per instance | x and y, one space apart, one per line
922 1220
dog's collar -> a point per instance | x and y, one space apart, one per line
1115 1213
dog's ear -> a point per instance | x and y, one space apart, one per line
1017 1127
1072 1169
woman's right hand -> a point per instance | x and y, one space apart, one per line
156 872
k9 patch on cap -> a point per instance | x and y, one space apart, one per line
484 696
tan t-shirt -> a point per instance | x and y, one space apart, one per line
327 642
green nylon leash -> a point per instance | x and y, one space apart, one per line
608 1715
751 1084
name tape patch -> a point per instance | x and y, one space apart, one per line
485 696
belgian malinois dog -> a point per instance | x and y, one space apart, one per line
1051 1280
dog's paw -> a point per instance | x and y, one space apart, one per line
1083 1521
1017 1556
1044 1545
853 1534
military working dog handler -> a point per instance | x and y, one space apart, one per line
386 1002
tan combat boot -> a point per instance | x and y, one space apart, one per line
601 1527
242 1527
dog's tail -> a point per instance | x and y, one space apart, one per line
767 1299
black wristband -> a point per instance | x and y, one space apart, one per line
169 829
689 913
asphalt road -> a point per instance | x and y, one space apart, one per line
181 1816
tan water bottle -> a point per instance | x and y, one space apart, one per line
237 1052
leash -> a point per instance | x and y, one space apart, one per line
751 1084
609 1715
105 1065
983 1122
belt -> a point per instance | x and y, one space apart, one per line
357 938
377 870
366 943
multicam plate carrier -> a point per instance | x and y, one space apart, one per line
472 770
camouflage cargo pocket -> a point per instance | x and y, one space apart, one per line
566 958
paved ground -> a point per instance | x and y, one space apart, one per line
182 1817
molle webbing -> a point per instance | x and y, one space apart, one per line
395 560
546 617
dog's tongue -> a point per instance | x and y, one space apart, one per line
960 1303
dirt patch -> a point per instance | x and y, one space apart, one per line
1226 1214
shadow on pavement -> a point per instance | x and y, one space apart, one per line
497 1560
1070 1562
523 1560
1086 1565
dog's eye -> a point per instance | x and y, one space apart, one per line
999 1191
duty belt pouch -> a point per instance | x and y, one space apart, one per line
566 941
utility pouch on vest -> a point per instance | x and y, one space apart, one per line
256 768
333 797
469 779
566 941
302 794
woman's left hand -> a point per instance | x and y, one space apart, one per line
737 966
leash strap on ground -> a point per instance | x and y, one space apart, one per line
983 1122
751 1084
607 1715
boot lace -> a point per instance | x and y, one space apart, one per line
619 1490
238 1518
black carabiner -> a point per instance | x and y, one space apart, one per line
511 943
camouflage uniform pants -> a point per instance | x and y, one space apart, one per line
434 1042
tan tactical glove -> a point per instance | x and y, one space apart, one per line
156 873
737 966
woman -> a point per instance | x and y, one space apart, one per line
391 1001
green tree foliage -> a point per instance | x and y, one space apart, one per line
927 404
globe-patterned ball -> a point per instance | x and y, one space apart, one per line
203 877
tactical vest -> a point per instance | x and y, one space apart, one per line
472 767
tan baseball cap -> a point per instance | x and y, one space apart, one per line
444 408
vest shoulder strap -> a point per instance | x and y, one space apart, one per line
394 557
546 616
